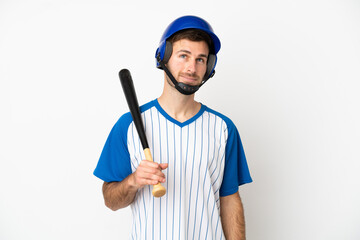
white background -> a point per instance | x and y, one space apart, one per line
288 76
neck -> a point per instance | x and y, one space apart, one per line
179 106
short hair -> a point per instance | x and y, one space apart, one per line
195 35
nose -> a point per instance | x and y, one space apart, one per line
191 66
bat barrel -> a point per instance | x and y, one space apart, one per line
131 99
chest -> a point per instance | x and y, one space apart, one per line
200 144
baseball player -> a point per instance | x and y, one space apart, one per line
198 153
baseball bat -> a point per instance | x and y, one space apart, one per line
131 99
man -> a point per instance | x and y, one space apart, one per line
197 151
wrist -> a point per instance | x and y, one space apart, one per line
131 180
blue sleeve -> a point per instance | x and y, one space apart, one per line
236 171
114 163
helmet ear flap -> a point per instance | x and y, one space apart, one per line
210 71
168 51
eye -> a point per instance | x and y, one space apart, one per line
201 60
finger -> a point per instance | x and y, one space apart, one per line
145 182
151 167
148 163
163 166
148 178
151 170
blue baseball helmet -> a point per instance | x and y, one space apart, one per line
164 51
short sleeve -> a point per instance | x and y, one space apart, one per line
236 171
114 162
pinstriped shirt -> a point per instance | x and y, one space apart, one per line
205 160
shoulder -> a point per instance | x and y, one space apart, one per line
147 106
229 123
123 122
126 119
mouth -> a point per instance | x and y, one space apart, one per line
189 79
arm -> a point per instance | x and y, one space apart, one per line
232 217
121 194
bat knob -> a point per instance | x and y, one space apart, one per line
158 190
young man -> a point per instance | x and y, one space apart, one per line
197 151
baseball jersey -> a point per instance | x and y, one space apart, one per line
205 160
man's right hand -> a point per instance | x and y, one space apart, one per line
121 194
149 173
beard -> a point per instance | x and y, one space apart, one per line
188 87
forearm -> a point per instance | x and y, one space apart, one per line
232 217
119 194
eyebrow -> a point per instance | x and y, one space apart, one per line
188 52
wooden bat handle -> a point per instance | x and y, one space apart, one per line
158 189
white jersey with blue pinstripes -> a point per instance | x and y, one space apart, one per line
203 165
